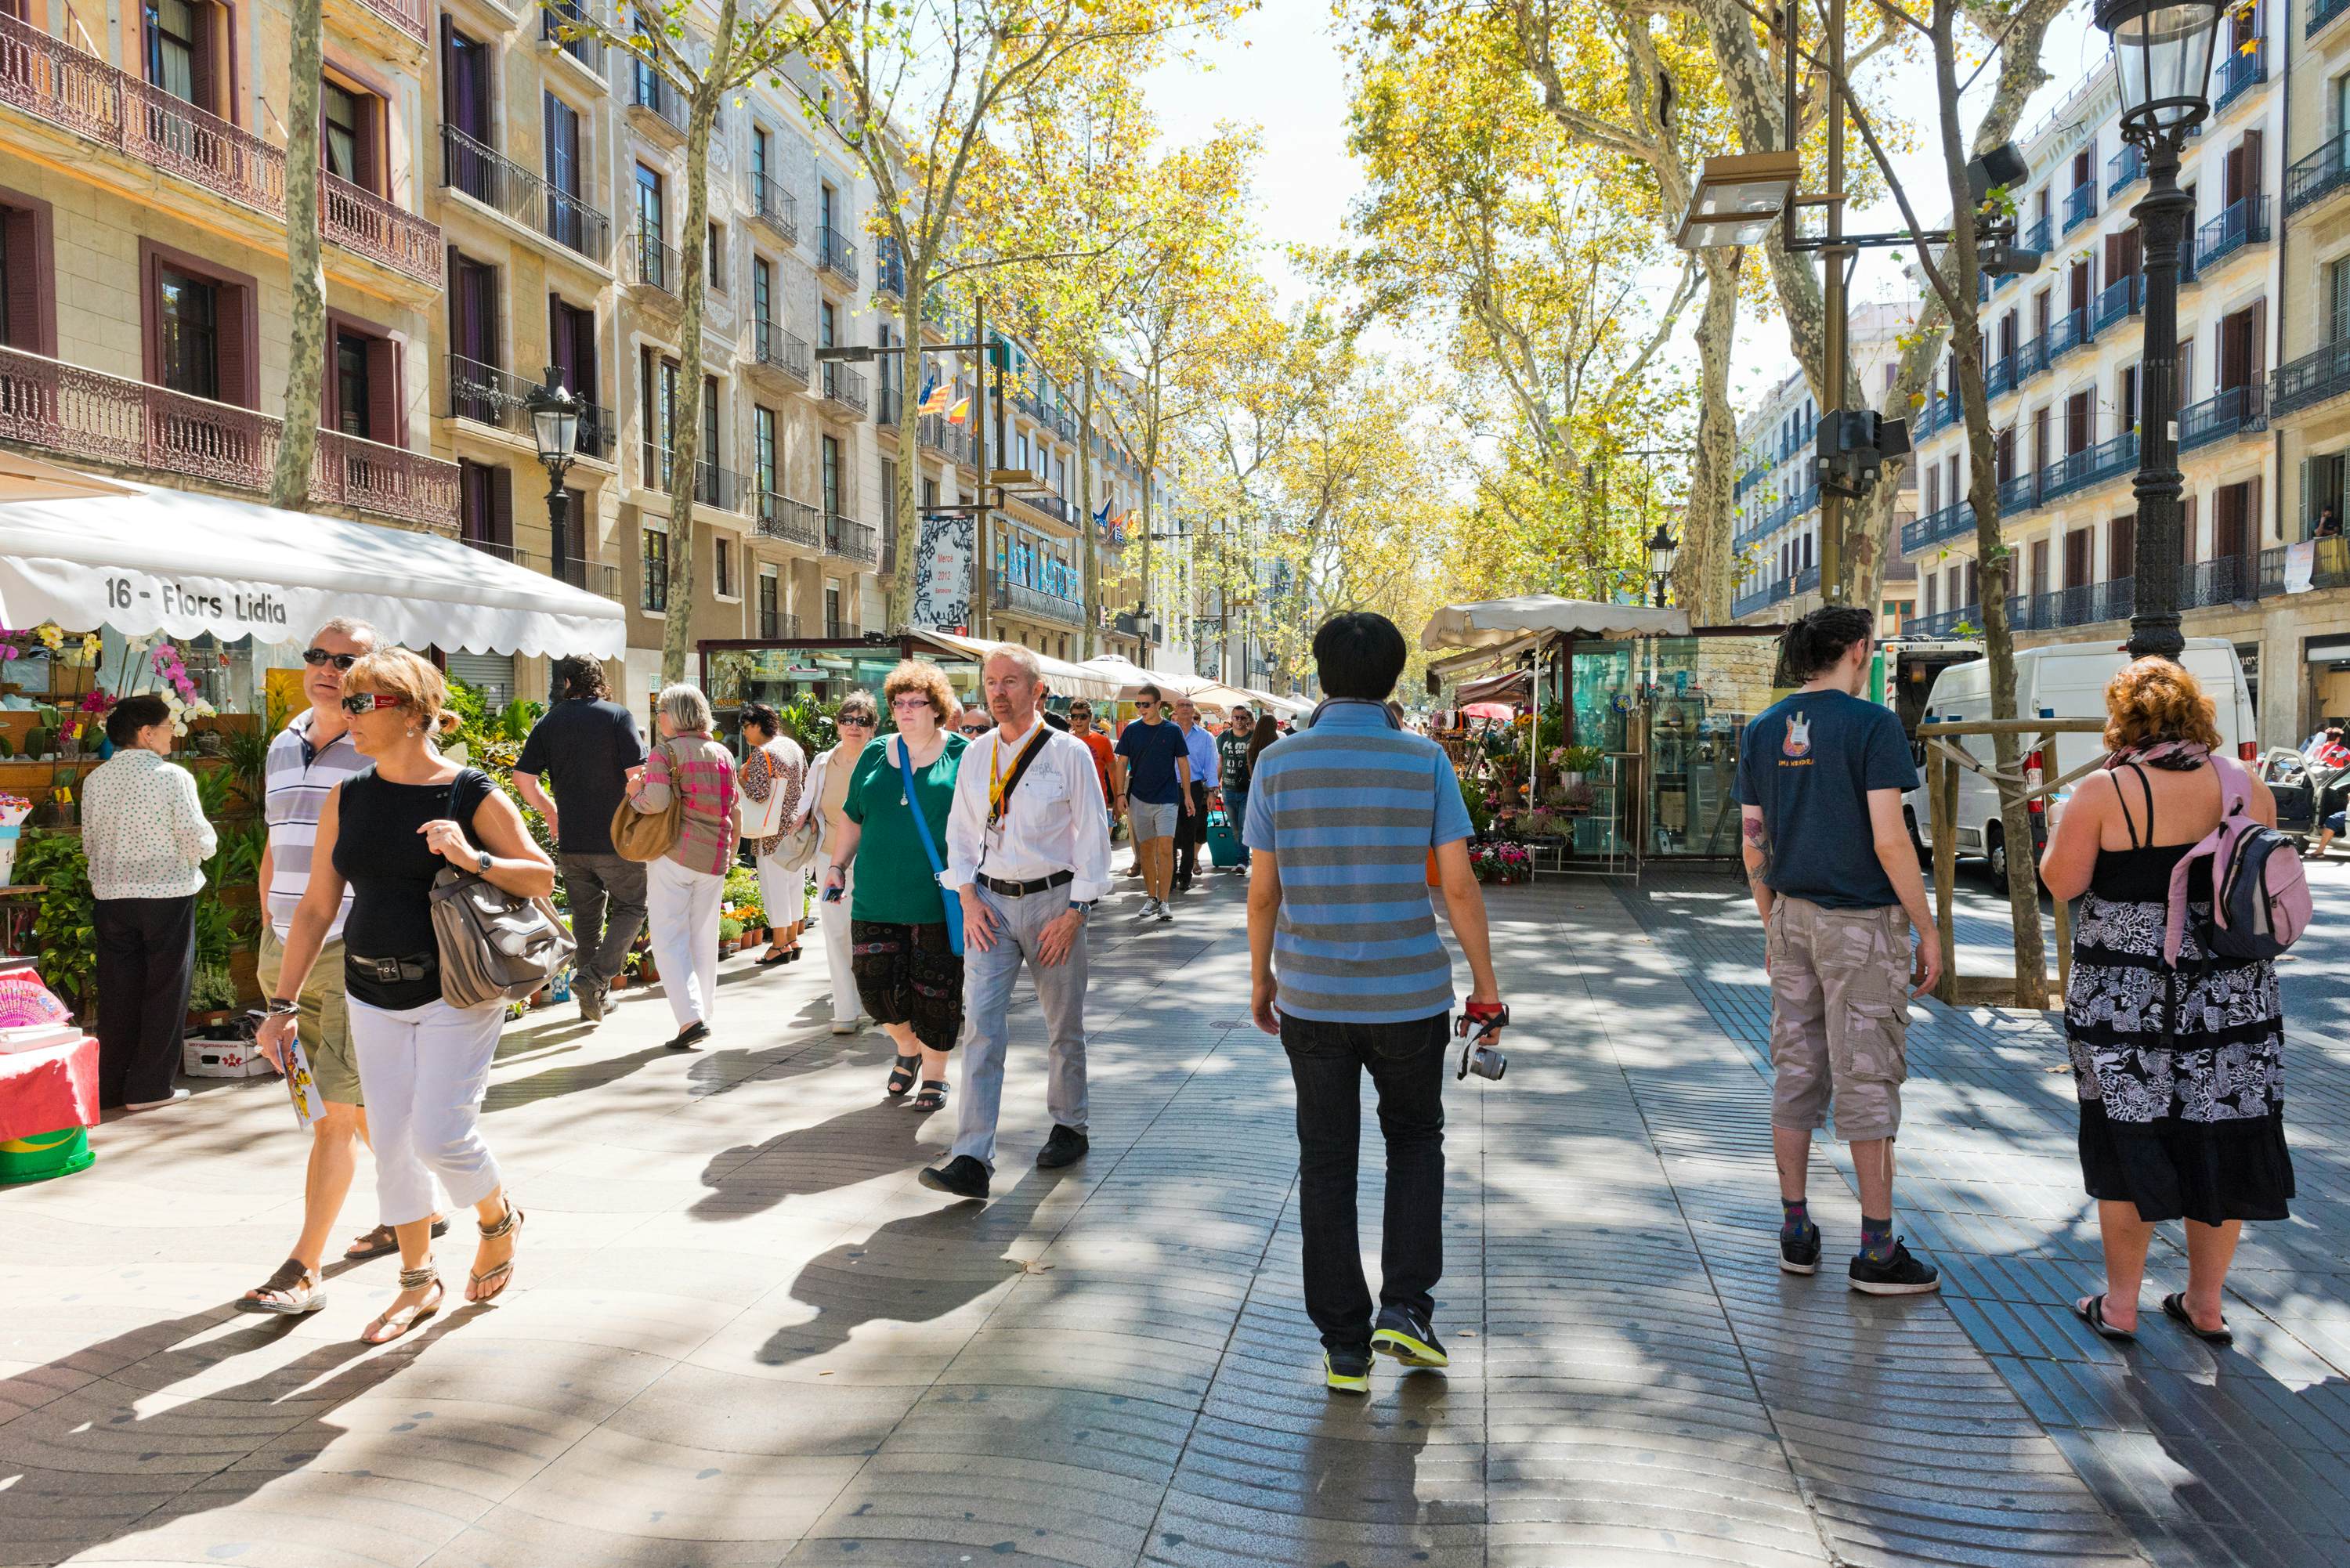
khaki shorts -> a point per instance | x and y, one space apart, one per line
1839 1017
1152 819
324 1025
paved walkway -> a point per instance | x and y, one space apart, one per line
743 1334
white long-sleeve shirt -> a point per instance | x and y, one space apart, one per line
144 828
1057 821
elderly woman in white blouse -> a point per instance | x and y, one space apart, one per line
144 832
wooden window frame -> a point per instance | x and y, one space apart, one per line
153 257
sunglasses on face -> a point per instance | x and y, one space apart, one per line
976 729
314 657
360 703
857 724
1146 705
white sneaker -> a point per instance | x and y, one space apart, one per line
1166 916
1149 908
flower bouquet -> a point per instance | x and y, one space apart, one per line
14 810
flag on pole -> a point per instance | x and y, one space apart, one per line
960 412
1101 518
936 395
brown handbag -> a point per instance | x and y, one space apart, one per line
647 836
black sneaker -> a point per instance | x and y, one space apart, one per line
963 1175
1347 1371
1407 1337
690 1037
1800 1254
1065 1146
1900 1275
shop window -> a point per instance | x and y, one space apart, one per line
655 564
200 325
28 304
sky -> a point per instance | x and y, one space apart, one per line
1279 69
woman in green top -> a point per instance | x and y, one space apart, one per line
908 977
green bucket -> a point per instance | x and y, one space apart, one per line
43 1156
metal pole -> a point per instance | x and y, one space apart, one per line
1835 257
2163 214
982 613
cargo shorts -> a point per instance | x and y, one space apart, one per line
324 1024
1839 1017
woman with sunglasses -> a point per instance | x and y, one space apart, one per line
826 792
386 834
907 973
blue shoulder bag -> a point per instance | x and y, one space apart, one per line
947 895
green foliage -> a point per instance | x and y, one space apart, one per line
741 885
246 751
809 722
729 929
8 748
39 741
214 991
1473 798
1580 760
66 923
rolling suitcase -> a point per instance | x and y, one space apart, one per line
1223 842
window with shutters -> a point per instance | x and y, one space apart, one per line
2121 548
200 326
654 564
474 354
649 205
722 578
832 488
365 392
714 448
889 484
183 45
338 130
466 90
350 414
569 218
1933 583
2078 547
28 311
930 493
2039 581
2337 302
833 624
191 338
770 616
571 339
485 507
763 307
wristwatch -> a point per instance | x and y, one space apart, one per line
1085 907
483 857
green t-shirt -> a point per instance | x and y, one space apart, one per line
894 882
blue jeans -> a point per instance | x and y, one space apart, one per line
1236 809
1406 1062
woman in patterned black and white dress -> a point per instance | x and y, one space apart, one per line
2181 1086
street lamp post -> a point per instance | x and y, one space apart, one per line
554 412
2162 61
1662 548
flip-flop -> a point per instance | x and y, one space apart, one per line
2092 1312
2174 1306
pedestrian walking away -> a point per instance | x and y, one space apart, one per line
1151 789
892 833
774 774
2178 1066
144 832
584 746
1192 832
823 797
385 834
1834 876
1347 967
684 887
1235 752
1027 855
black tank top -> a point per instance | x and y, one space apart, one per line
2141 874
381 853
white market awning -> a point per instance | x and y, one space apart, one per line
1295 707
144 559
1062 679
1488 622
1130 677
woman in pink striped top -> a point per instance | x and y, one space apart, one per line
682 888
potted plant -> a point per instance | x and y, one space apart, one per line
1580 798
729 936
1575 761
212 1001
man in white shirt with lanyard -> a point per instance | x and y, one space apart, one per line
1028 853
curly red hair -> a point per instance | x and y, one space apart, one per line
2153 699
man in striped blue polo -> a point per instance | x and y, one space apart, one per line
1348 969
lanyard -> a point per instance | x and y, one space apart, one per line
998 781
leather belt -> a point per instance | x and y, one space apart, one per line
393 971
1022 890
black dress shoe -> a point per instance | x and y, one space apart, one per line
963 1175
687 1038
1065 1146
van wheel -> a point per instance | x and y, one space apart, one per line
1997 857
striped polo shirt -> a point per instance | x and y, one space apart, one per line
1350 809
296 789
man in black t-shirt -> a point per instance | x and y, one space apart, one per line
585 746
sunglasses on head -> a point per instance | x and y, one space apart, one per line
315 657
360 703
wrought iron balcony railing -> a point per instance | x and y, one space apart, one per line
2312 379
2244 222
596 576
935 431
2237 75
651 91
499 182
61 408
713 485
834 253
776 207
2117 301
52 80
787 352
2125 169
2070 330
2089 467
566 24
843 386
2001 378
2233 410
888 268
2320 174
2322 13
407 16
489 396
653 264
851 540
1050 504
1949 522
2035 238
793 521
2031 360
2017 494
2080 206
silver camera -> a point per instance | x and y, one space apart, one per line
1480 1055
1484 1061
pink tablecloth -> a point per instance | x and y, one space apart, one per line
45 1089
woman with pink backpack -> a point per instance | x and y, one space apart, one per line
2172 1011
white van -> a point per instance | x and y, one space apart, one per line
2065 681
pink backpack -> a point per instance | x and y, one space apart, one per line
2259 900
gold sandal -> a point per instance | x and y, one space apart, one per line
503 1272
400 1320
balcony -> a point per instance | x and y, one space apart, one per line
2085 603
1747 481
1019 599
935 431
489 396
2312 379
653 264
2069 331
777 208
1764 597
2089 467
651 91
2080 206
713 487
56 406
566 24
1050 504
1946 623
501 184
793 521
888 268
2031 360
2224 580
1943 410
2322 13
2125 169
2244 222
835 253
773 347
2236 411
852 541
595 576
2001 378
842 386
1949 522
2117 301
2319 175
52 81
2238 73
2035 238
2017 494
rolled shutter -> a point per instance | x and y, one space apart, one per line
384 399
502 505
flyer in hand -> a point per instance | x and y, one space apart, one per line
300 1088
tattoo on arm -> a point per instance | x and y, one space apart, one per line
1753 829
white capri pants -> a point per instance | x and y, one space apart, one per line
424 1071
782 894
847 1006
681 912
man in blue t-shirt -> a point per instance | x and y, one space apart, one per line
1820 778
1153 789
